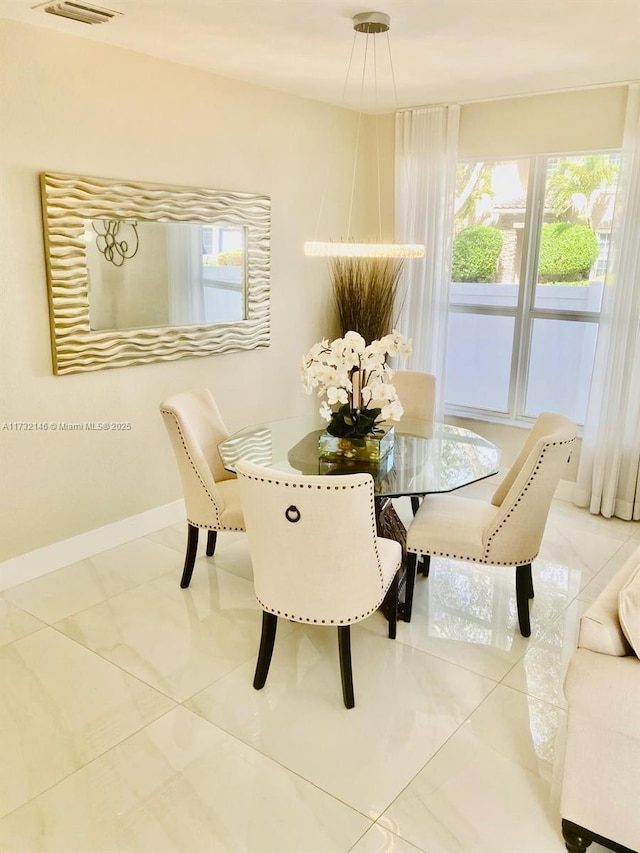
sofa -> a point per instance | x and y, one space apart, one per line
600 798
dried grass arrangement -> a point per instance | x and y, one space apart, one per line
364 294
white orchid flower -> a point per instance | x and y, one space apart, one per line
325 411
392 412
336 395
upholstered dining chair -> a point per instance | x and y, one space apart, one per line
316 556
506 531
211 494
417 393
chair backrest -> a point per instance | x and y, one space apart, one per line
524 497
196 429
417 393
313 544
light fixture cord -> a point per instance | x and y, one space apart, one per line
355 159
328 166
411 235
375 87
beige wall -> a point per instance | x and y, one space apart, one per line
71 105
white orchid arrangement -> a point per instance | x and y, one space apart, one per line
355 377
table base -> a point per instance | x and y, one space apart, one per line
390 526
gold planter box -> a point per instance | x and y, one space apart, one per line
371 449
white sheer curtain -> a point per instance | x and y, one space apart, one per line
425 175
184 271
609 473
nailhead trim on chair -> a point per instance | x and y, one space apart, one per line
211 526
347 621
329 487
197 473
486 560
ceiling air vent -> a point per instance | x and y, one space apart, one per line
82 12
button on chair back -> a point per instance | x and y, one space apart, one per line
211 495
506 531
316 555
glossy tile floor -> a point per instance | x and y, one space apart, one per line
128 721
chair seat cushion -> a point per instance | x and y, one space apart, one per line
443 520
231 518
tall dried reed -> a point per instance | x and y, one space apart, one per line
364 294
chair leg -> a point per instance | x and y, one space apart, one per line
425 565
267 640
524 591
190 559
412 560
391 599
415 504
211 542
344 650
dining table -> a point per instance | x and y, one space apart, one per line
426 458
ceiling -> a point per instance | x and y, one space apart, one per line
442 50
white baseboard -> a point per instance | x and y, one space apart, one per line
34 564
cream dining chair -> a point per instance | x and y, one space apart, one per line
211 494
417 393
506 531
316 556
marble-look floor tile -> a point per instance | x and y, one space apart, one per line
178 641
60 707
575 538
15 622
542 670
380 840
407 704
490 787
182 785
81 585
592 590
467 614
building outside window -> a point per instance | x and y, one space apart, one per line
530 254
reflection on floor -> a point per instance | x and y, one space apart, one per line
128 721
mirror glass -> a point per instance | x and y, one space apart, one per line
143 274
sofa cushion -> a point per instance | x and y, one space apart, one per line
629 610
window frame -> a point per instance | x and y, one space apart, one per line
524 311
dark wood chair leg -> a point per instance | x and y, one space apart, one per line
391 599
574 840
344 650
190 559
211 542
524 587
415 504
425 565
412 560
530 582
267 640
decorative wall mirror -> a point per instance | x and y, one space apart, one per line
143 272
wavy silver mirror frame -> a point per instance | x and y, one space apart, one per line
69 200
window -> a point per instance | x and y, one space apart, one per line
530 254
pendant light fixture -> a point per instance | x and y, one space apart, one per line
370 24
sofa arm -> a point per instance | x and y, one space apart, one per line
600 629
601 780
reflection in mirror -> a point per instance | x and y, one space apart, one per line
144 274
